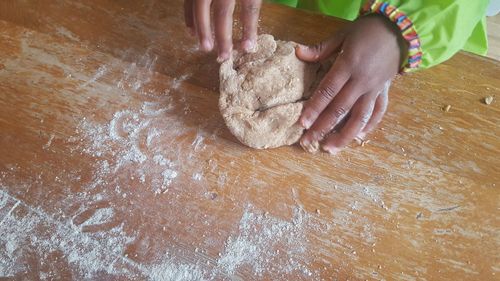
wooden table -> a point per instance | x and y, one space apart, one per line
115 163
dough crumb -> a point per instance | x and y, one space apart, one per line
488 100
447 108
361 142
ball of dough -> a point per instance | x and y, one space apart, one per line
261 93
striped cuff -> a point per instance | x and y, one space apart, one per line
407 30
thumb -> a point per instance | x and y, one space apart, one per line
319 51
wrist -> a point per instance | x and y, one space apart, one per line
402 44
413 53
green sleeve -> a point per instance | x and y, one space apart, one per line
436 29
290 3
345 9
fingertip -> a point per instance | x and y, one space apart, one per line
299 51
362 135
330 149
249 45
305 122
223 56
307 117
299 48
304 53
206 45
309 146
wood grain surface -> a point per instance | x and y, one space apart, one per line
115 163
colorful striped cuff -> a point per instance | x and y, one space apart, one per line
407 30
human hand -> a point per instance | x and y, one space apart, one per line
198 20
370 53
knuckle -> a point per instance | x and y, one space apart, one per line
339 112
319 133
324 131
251 7
318 48
221 12
351 58
327 92
224 8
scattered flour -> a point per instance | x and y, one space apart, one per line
30 234
168 177
33 231
127 139
268 244
100 216
101 71
169 270
179 80
154 133
197 176
162 161
198 142
124 148
49 142
153 109
61 30
138 73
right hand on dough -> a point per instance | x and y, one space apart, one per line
198 20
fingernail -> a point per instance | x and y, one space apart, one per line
223 57
300 50
206 45
248 45
361 135
306 123
331 149
311 147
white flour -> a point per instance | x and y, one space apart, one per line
89 253
129 147
264 241
178 81
129 139
197 176
198 142
100 216
169 270
168 177
101 71
130 155
21 232
49 142
136 145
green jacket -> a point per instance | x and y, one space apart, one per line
435 29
